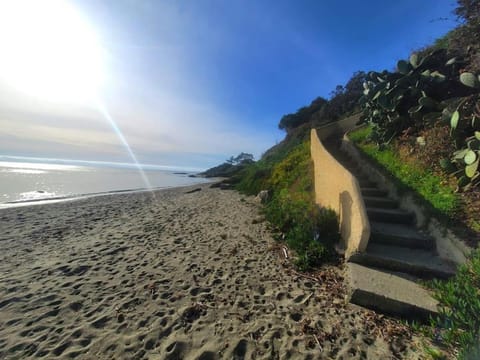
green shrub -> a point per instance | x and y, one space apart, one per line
307 230
253 178
313 254
287 172
294 169
459 316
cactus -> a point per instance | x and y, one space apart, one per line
424 90
414 60
437 76
451 61
428 103
471 169
470 80
463 181
470 157
454 119
448 166
403 67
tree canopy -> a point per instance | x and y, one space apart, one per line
343 100
242 158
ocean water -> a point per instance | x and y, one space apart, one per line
22 183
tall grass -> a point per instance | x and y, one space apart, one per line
430 186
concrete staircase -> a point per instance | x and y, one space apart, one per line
386 277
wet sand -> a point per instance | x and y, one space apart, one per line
182 275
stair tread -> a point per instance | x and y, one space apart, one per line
398 230
401 235
399 212
388 292
380 202
390 215
407 260
365 182
372 191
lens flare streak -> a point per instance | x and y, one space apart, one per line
103 110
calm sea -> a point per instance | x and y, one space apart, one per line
25 182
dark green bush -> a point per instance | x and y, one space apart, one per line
312 255
309 231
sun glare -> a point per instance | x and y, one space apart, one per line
49 50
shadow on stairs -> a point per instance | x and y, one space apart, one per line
387 276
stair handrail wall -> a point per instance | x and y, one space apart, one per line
338 189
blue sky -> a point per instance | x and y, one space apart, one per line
190 83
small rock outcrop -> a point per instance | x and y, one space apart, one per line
263 196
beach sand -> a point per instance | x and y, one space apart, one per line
176 276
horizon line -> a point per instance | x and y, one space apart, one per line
104 163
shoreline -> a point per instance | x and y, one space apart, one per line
182 275
57 199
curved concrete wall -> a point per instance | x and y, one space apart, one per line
338 189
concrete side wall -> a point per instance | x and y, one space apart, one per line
337 188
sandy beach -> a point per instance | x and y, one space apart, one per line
177 275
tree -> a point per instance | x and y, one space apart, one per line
469 11
240 159
243 158
302 116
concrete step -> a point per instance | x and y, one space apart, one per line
353 170
421 263
361 176
389 293
373 191
380 202
396 216
400 235
363 182
351 164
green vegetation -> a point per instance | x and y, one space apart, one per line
424 125
465 39
231 166
438 84
255 177
361 135
425 90
442 197
288 175
459 319
285 171
343 101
